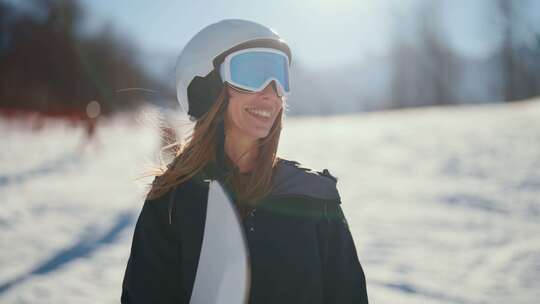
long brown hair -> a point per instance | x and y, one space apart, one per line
200 149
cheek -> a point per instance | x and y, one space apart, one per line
234 111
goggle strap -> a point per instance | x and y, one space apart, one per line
256 43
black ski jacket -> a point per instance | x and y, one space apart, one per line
300 246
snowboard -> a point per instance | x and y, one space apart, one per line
223 272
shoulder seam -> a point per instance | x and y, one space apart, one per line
327 174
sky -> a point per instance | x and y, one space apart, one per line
320 32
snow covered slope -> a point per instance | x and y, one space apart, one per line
443 203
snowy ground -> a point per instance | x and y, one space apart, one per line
443 203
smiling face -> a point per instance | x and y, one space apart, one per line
251 115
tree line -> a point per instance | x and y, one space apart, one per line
47 65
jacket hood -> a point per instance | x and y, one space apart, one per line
292 179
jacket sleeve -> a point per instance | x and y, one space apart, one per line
343 276
153 270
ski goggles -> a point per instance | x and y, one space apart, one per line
253 69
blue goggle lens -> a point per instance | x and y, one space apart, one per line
253 69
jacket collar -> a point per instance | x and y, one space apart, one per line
290 179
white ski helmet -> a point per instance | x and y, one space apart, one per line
198 83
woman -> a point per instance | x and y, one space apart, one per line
232 78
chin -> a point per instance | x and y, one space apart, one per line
255 131
256 134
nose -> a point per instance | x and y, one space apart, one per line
270 90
